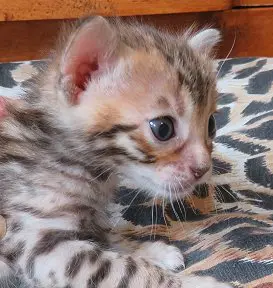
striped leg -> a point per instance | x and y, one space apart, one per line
163 255
74 263
49 257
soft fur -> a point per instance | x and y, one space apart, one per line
78 130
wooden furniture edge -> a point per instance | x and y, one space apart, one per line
251 29
252 3
55 9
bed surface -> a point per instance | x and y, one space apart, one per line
225 229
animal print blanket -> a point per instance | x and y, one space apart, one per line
225 228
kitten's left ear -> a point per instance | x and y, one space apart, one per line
89 52
205 40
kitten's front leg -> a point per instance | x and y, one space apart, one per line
59 259
163 255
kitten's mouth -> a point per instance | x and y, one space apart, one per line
180 190
173 191
165 189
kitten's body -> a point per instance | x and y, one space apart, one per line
61 154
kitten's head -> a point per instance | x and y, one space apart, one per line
146 99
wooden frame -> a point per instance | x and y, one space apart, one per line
15 10
249 28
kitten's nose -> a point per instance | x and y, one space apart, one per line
199 172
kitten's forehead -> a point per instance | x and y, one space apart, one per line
193 71
181 85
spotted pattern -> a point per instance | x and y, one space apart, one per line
223 229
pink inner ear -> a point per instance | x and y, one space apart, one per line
84 73
80 62
87 52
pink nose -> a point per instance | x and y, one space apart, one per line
199 172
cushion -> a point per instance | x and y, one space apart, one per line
225 228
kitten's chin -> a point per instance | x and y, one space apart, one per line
156 187
169 191
173 190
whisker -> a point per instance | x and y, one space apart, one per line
192 188
152 219
219 170
173 208
176 197
106 170
229 193
213 198
236 200
155 220
127 194
233 44
127 207
221 167
220 195
163 211
109 177
179 200
222 199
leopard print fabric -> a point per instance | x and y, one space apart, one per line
225 228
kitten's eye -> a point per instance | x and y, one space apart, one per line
212 126
162 128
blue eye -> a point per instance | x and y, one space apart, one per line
212 126
162 128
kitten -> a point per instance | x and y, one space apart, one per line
116 100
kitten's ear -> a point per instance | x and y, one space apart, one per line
205 40
89 52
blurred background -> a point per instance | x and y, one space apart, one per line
29 28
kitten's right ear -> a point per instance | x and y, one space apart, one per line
205 40
89 51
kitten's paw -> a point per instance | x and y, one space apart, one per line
202 282
163 255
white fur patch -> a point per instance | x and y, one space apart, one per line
205 40
163 255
